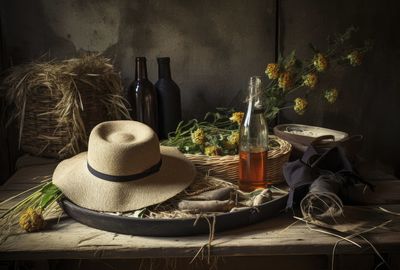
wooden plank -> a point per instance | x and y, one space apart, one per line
13 189
6 194
17 186
31 174
369 172
70 239
282 262
385 192
24 179
29 160
7 205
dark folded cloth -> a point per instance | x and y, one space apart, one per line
328 169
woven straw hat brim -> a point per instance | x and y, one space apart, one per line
84 189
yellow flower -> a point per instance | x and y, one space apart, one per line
320 62
211 150
272 71
355 58
232 141
234 138
310 80
285 80
237 117
31 220
198 136
331 95
300 105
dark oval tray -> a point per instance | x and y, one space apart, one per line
171 227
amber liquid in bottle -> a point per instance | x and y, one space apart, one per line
252 167
253 145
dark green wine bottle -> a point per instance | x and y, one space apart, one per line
169 99
142 97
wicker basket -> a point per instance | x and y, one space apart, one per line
58 103
226 167
39 135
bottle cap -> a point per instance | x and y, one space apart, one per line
163 59
255 81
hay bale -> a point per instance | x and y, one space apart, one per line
57 103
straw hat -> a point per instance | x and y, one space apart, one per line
124 169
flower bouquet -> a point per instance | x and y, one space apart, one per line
212 144
291 75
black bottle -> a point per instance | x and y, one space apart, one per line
142 97
169 99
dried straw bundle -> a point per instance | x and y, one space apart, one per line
57 103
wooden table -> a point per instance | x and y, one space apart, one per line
274 240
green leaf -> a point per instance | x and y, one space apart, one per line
47 199
50 189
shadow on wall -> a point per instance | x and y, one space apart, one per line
215 46
369 94
28 34
209 43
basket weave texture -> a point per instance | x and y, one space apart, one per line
227 167
58 103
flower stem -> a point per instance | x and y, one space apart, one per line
286 107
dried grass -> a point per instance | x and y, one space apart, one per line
348 239
57 103
168 209
321 206
326 210
202 183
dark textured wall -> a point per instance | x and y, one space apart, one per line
216 45
370 94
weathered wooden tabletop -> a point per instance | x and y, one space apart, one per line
276 236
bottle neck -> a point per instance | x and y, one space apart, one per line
141 69
255 99
164 71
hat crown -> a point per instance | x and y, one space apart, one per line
123 148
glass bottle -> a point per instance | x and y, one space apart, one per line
253 144
169 99
142 97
